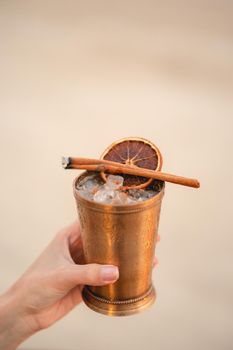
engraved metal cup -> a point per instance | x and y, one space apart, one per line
122 235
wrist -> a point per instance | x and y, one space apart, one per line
15 325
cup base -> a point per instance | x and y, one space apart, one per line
121 308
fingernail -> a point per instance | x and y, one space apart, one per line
109 273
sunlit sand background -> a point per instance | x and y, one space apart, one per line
78 75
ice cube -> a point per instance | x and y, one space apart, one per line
120 198
149 193
92 187
136 193
114 181
86 194
104 195
90 183
140 194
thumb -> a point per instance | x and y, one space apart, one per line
90 274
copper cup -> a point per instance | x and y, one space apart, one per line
122 235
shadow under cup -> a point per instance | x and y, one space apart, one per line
122 235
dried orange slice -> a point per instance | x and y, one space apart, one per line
134 151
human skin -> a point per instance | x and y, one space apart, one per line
49 288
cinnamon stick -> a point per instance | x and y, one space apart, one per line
114 167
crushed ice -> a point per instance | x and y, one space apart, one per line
94 188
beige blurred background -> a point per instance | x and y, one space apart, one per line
78 75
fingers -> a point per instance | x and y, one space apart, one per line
155 262
76 250
75 243
73 232
77 254
70 239
70 232
91 274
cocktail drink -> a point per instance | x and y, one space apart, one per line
119 200
119 218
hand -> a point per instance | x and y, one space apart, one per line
50 288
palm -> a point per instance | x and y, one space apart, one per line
54 312
57 302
